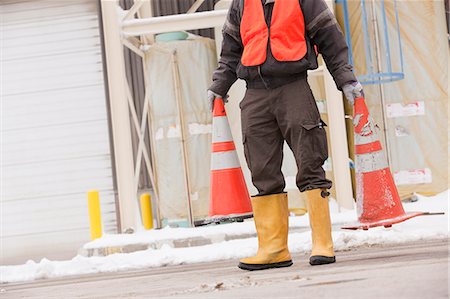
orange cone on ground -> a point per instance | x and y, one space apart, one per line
229 194
377 199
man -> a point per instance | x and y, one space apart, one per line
271 45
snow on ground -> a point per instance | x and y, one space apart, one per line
416 229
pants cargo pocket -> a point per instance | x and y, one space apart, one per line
313 151
314 140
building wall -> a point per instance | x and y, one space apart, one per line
55 139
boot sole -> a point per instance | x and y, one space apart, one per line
256 267
321 260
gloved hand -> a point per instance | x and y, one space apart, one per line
212 96
352 91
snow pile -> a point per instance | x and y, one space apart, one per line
420 228
168 233
212 231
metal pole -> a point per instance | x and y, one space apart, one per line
146 211
133 10
198 20
150 169
177 82
95 215
142 150
338 140
146 12
382 94
120 118
195 6
140 132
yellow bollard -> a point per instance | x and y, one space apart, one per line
146 211
95 217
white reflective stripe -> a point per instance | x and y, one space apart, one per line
221 130
360 140
371 162
224 160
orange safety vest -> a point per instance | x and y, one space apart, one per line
287 32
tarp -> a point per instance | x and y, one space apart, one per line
196 60
416 108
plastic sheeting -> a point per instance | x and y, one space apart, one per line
196 60
416 108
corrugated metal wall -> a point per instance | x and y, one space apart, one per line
170 7
55 141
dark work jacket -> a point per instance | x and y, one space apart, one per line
321 30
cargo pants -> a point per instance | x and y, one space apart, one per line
271 116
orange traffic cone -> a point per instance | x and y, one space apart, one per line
377 199
229 197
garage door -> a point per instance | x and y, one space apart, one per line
55 143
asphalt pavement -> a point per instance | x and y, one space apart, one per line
412 270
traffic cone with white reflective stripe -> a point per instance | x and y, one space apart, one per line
377 199
229 197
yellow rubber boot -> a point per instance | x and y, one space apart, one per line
319 218
271 217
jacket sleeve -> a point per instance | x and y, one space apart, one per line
225 75
324 31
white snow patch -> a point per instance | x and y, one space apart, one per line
420 228
168 233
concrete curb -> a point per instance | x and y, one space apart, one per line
174 243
